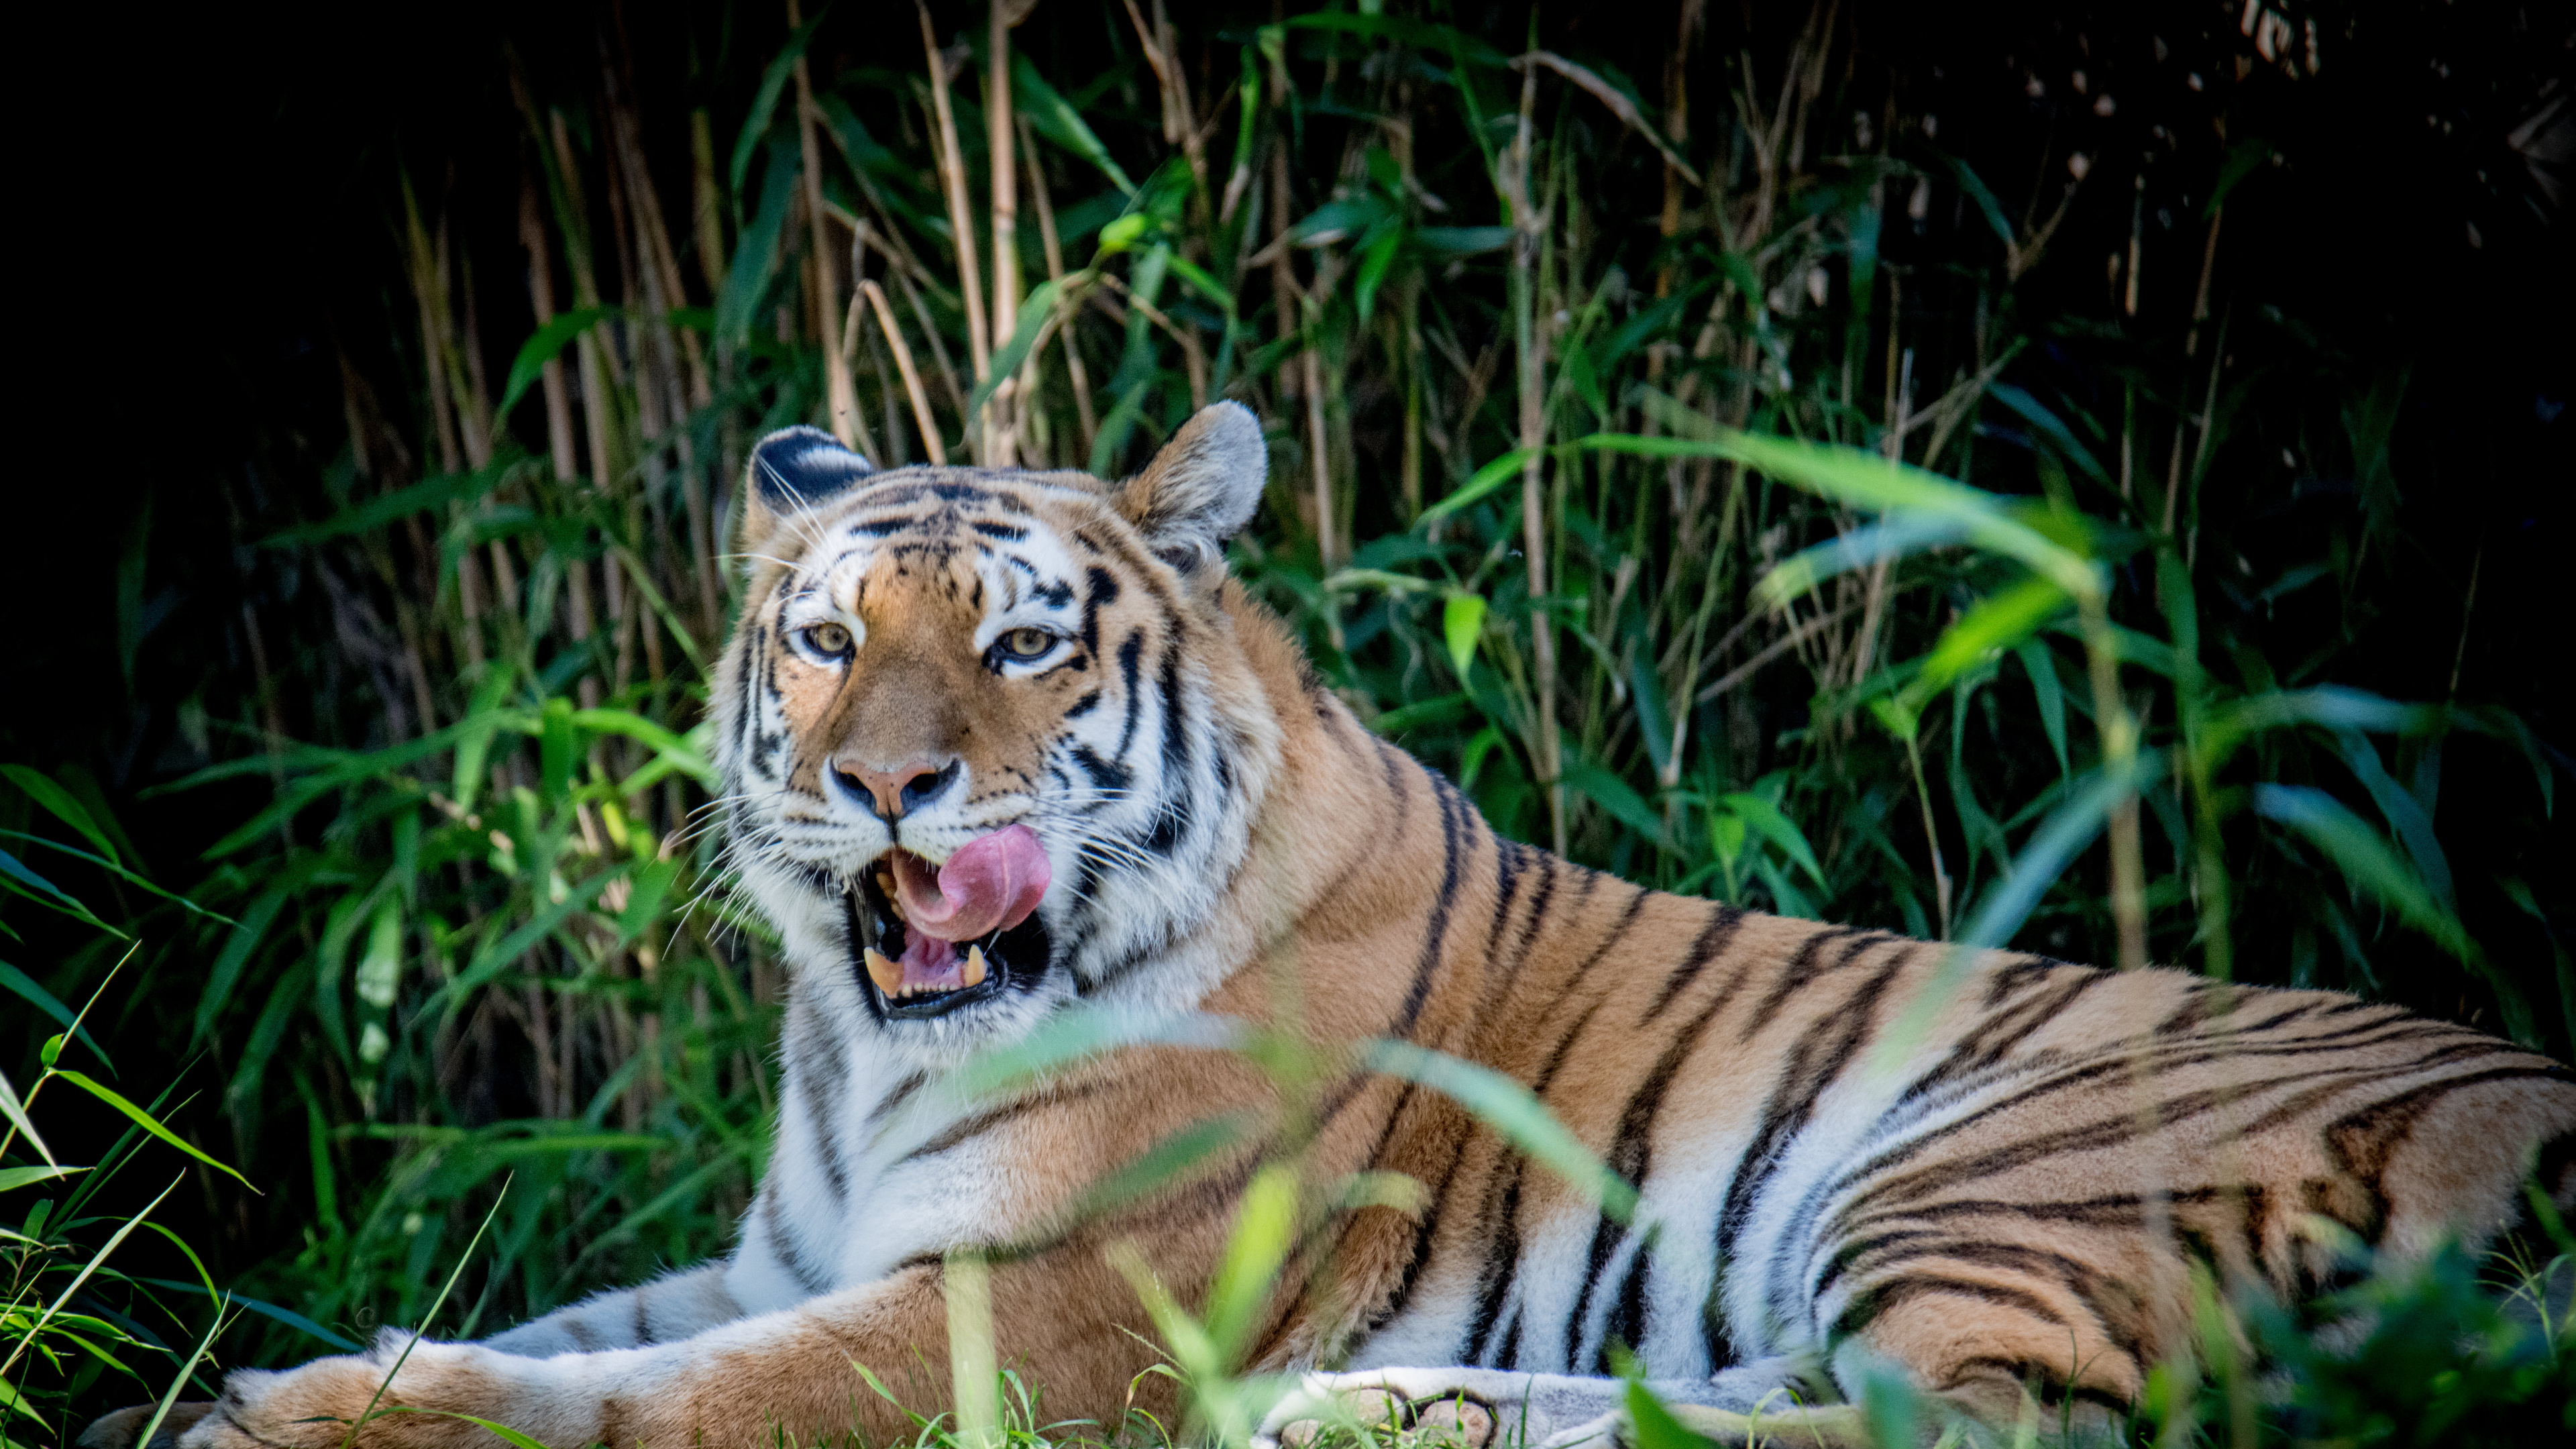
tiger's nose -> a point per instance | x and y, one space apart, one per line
896 792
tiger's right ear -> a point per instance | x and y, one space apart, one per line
790 471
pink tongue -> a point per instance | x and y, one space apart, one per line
990 884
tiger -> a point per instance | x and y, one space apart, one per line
1002 750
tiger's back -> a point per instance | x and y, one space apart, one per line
1846 1144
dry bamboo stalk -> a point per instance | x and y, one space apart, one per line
661 262
541 299
1160 44
442 410
930 334
847 425
1284 293
1533 431
1001 411
440 348
911 375
1073 368
707 201
952 181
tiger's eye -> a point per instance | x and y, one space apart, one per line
1027 643
828 639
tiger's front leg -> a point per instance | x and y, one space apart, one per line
793 1371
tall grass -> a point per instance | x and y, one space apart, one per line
1719 465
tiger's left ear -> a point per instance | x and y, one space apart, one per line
790 471
1200 490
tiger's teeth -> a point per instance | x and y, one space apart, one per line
972 974
887 975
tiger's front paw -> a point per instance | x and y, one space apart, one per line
311 1407
1460 1408
317 1405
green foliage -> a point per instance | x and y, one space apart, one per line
1797 546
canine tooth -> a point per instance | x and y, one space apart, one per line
887 975
973 972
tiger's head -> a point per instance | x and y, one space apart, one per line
990 741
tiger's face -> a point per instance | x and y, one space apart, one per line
988 743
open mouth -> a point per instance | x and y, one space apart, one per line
930 940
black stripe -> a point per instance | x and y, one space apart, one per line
1507 884
1502 1259
2142 1063
1539 900
1889 1295
2320 1085
1816 1061
1723 920
821 1090
1436 932
1801 972
785 1247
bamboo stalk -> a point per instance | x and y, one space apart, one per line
911 375
1531 347
1001 410
1074 372
847 425
952 181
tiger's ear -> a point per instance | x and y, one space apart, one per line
1200 490
790 471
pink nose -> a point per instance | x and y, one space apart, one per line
896 790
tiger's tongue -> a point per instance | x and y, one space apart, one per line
991 884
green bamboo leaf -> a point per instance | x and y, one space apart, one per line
1037 310
1765 818
14 1113
764 102
1895 537
688 757
147 1122
1462 623
59 802
2052 427
1483 481
493 959
13 1178
1053 117
1461 241
15 875
2331 706
1987 207
28 988
2368 862
755 253
120 872
2000 621
287 1316
1265 1228
545 346
1616 796
2050 693
378 512
1376 258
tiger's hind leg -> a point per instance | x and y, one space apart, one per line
1752 1404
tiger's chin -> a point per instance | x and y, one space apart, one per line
909 975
